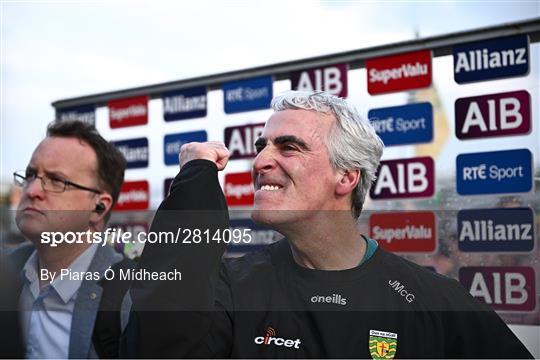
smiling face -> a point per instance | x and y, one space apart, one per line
292 173
62 158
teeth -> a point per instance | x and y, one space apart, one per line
270 187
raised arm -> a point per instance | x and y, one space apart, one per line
170 318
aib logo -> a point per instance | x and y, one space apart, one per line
404 178
240 139
331 79
492 115
505 288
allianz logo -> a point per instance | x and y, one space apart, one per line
487 230
329 299
134 153
484 59
181 103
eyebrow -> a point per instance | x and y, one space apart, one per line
57 174
286 139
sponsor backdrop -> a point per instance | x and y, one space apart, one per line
456 188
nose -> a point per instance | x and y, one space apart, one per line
264 161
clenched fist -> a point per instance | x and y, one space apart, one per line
214 151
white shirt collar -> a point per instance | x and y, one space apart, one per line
66 287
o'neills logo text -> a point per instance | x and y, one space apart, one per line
270 338
333 299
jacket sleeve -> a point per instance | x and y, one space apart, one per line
171 318
220 339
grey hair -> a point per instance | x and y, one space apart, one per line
352 142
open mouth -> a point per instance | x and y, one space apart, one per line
269 187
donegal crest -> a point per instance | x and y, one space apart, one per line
382 344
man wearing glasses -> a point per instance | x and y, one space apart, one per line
70 185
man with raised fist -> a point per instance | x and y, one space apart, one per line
325 290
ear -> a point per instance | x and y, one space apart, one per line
103 201
347 181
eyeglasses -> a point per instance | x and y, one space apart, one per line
48 183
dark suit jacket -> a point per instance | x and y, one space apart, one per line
88 301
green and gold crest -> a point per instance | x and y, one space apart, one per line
382 344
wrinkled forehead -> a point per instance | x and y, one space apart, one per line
304 124
66 155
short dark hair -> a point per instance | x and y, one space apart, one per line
110 161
